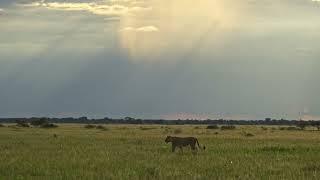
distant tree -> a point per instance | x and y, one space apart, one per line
128 118
267 119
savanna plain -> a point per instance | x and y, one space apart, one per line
79 151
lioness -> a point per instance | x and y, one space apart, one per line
183 141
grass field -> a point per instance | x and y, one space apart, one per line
139 152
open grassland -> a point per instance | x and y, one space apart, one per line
139 152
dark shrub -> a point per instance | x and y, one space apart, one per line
248 135
228 127
177 131
49 125
216 133
214 126
101 127
22 123
89 126
1 125
282 128
39 122
147 128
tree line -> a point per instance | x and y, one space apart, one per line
130 120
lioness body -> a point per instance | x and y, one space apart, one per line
182 142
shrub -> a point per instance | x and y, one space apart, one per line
177 131
214 126
89 126
1 125
147 128
216 133
101 127
228 127
39 122
248 135
49 125
282 128
22 123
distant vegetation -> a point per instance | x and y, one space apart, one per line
213 124
228 127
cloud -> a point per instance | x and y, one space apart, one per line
95 8
141 29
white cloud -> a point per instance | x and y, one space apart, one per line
95 8
142 29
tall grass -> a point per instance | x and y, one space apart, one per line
128 152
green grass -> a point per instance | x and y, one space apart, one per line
139 152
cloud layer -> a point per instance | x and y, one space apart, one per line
141 29
103 9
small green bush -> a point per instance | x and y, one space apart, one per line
214 126
89 126
248 135
228 127
147 128
49 125
101 127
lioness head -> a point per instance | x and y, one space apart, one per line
168 139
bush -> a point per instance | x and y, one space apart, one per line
282 128
39 122
22 123
147 128
89 126
228 127
1 125
49 125
213 126
177 131
248 135
101 127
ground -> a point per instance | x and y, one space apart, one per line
139 152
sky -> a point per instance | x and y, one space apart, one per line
169 59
